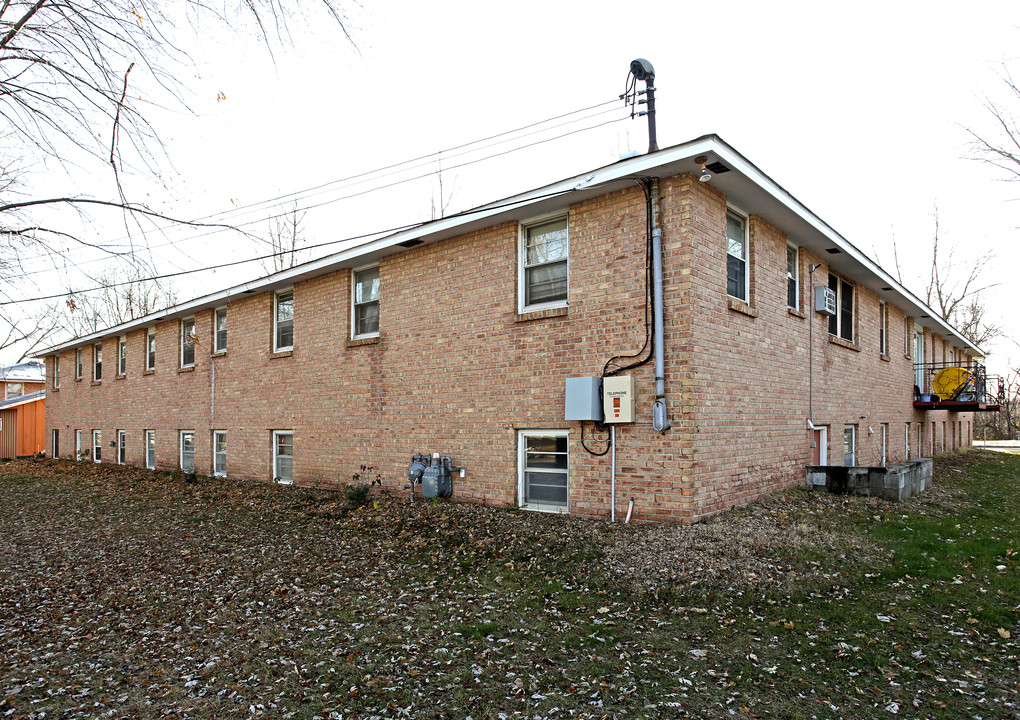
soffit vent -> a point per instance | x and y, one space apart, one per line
410 243
833 251
717 168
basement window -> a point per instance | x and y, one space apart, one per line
283 457
543 470
219 453
542 275
188 451
150 449
97 445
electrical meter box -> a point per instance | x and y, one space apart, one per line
618 398
582 399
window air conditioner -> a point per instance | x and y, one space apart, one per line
825 300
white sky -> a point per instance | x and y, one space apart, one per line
858 112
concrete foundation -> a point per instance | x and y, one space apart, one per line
895 482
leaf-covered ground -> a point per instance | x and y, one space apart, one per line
128 594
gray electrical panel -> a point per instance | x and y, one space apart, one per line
583 399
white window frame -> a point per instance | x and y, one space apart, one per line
745 219
150 349
56 372
908 326
355 335
97 362
795 278
122 447
276 474
8 395
839 317
883 327
187 341
853 445
885 440
180 448
523 266
122 356
522 436
97 445
906 441
79 363
276 319
150 447
77 444
217 314
217 434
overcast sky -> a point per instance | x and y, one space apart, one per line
860 111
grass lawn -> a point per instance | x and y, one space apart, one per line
129 594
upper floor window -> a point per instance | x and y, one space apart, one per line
883 328
122 356
736 255
97 362
56 372
150 349
15 390
283 320
366 302
78 364
220 330
188 342
842 323
792 277
545 248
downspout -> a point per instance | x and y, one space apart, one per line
660 413
811 352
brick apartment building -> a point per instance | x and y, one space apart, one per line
458 336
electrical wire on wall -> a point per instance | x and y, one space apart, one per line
611 367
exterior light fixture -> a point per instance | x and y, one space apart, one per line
705 174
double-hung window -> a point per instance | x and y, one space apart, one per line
283 320
150 449
543 471
150 349
219 453
792 277
77 364
220 330
365 303
842 323
56 372
121 447
188 451
283 456
97 362
188 342
77 445
849 445
883 328
545 249
97 445
15 390
736 256
122 356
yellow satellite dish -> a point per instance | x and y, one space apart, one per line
951 381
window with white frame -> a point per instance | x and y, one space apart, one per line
283 456
883 328
78 364
150 349
14 389
97 445
283 320
150 449
219 453
122 355
365 303
842 323
77 445
188 451
121 447
906 441
55 446
97 362
885 438
56 372
793 277
849 445
737 254
188 342
907 327
543 469
220 330
543 269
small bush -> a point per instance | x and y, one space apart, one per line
357 495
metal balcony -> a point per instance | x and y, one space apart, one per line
957 387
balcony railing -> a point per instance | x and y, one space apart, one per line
957 386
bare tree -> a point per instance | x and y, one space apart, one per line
78 79
121 298
285 239
1001 149
1005 424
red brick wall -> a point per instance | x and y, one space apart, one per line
456 370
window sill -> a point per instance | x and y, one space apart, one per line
885 357
529 315
93 383
796 313
217 353
844 343
119 377
149 372
739 306
276 354
189 368
553 509
358 342
78 379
